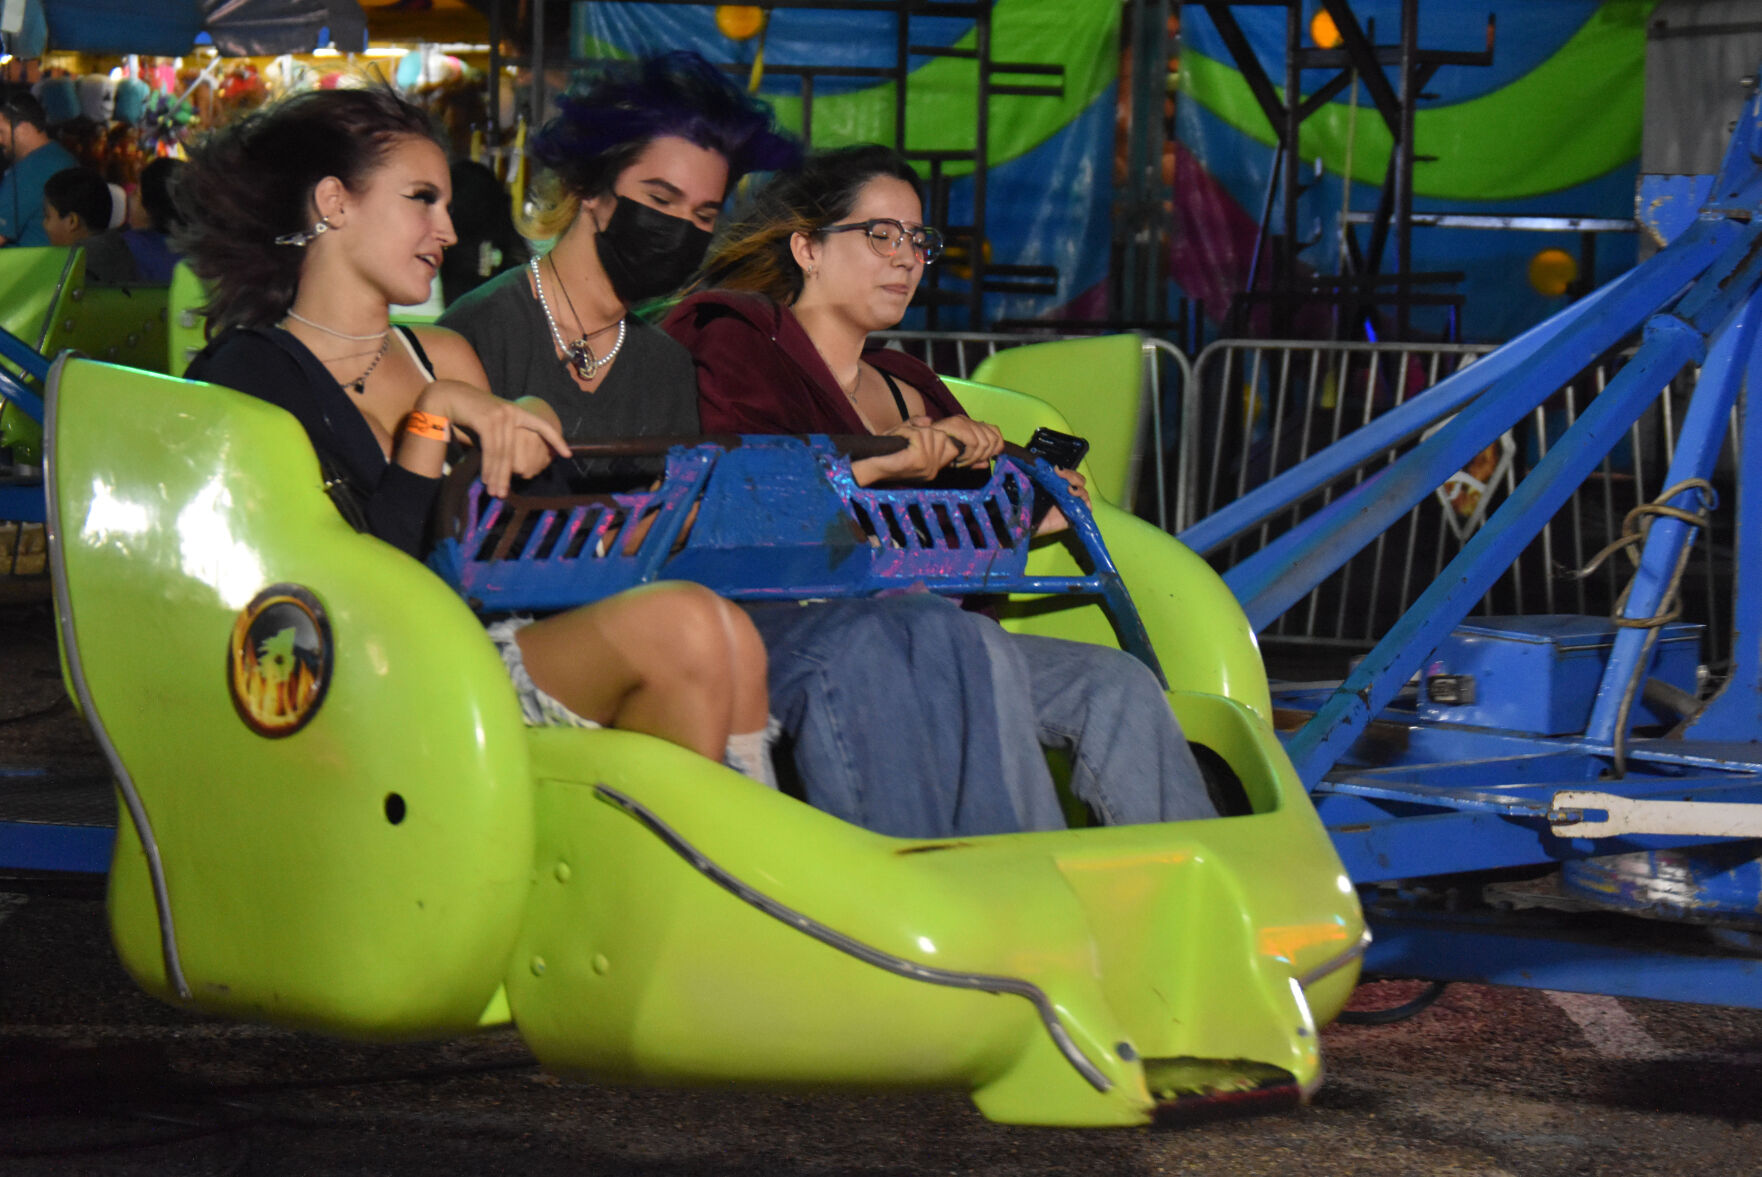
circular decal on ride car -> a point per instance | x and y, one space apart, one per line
278 662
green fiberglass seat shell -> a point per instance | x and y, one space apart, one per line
46 301
186 328
1097 383
333 818
1196 624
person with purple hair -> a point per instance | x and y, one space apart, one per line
635 170
888 707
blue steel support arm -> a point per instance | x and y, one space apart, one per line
1738 186
1671 341
1703 433
1735 713
11 391
1324 739
17 351
1382 434
1271 580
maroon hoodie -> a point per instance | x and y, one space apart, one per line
758 372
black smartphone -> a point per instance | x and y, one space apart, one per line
1063 450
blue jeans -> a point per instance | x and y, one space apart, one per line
912 717
1130 762
887 703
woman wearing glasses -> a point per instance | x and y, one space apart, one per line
809 297
825 256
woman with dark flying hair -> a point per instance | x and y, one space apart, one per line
315 216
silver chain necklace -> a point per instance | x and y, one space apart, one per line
358 385
577 354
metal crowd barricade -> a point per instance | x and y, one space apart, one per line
1263 406
1168 379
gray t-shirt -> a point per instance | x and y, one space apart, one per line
651 391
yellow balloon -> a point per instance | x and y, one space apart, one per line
738 22
1552 271
1323 31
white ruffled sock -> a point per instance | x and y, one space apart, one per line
749 753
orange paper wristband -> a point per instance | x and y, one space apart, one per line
427 425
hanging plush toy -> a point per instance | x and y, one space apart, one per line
131 100
60 98
97 94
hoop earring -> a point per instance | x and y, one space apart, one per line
305 237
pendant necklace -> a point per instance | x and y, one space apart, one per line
578 354
358 385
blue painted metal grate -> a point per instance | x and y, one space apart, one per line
770 518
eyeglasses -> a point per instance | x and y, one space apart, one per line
886 236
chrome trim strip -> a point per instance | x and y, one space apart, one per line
1337 963
869 955
70 642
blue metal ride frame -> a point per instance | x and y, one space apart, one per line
38 845
778 518
22 502
1408 802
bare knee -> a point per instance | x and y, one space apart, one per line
745 645
691 639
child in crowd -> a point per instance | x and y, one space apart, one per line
77 209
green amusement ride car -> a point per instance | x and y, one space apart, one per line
334 819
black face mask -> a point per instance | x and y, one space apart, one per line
647 253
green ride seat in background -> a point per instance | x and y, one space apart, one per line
46 301
31 282
1098 384
186 327
119 324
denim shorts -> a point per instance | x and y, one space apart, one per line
536 707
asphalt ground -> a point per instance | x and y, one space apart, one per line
98 1078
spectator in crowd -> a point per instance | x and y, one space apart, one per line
34 157
77 210
152 218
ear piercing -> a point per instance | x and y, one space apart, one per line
305 237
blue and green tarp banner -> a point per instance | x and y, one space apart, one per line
1050 187
1550 128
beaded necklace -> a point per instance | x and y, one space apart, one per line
578 354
